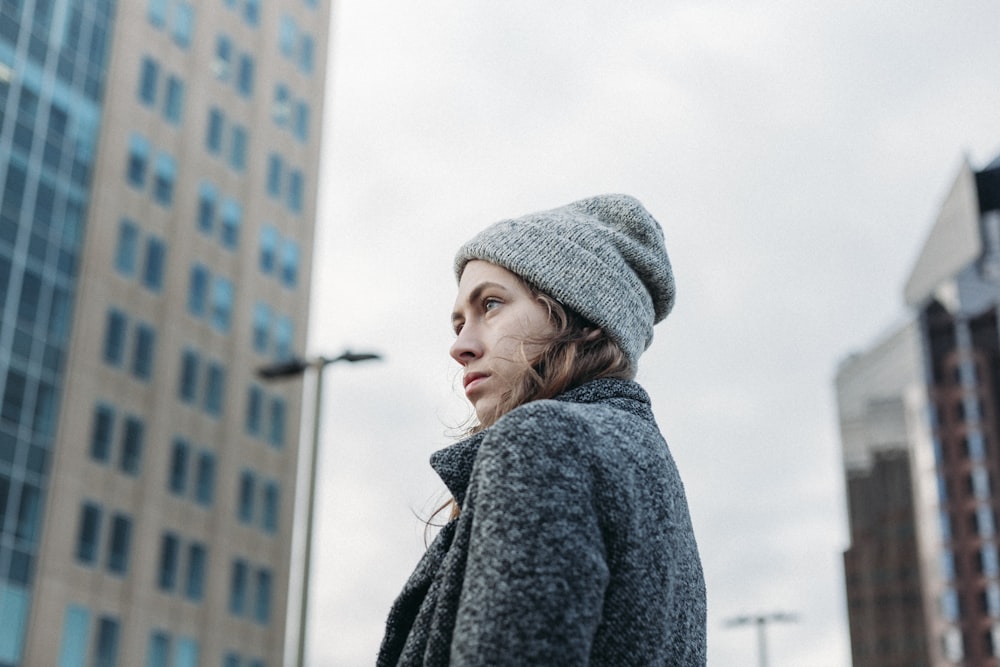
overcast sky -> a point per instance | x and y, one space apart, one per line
795 154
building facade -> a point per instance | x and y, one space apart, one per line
920 429
159 164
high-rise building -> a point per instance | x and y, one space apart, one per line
158 181
920 429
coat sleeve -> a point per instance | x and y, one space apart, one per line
536 570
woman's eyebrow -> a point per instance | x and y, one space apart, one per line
474 296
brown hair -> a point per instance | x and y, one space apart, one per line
577 353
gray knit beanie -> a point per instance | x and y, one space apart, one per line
602 257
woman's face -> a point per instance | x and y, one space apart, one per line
497 321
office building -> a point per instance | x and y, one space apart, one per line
158 180
920 428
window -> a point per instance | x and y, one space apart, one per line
215 389
205 478
261 324
148 81
188 389
277 434
177 481
248 489
138 155
119 543
169 548
206 207
306 54
238 148
290 264
76 626
142 357
152 275
269 516
87 533
114 337
100 433
232 219
262 608
283 338
213 137
287 32
166 174
195 588
244 77
130 457
187 653
238 588
300 125
268 248
158 652
128 241
198 290
173 105
106 652
274 175
222 304
251 12
223 57
183 24
255 398
157 12
282 104
295 185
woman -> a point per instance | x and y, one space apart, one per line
570 541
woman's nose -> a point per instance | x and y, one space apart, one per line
466 346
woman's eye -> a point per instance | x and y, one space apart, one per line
491 303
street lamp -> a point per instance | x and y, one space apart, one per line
295 367
761 621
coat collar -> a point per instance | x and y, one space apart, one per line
454 463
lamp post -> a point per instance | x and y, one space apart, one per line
761 621
295 367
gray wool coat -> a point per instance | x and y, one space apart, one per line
574 545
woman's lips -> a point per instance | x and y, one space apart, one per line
473 380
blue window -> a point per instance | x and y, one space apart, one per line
119 543
290 263
268 248
187 653
101 432
106 652
223 56
76 628
251 12
169 554
295 185
198 290
261 324
277 434
274 175
238 148
213 137
138 157
152 274
188 387
125 253
306 54
166 174
222 304
287 34
245 503
205 479
158 653
262 608
197 557
144 352
231 659
183 24
88 532
133 435
114 337
157 12
282 104
207 195
173 105
238 588
244 76
300 122
255 401
215 389
177 480
232 220
148 80
283 331
272 501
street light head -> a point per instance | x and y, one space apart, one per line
354 357
283 369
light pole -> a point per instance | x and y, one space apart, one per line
761 621
295 367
